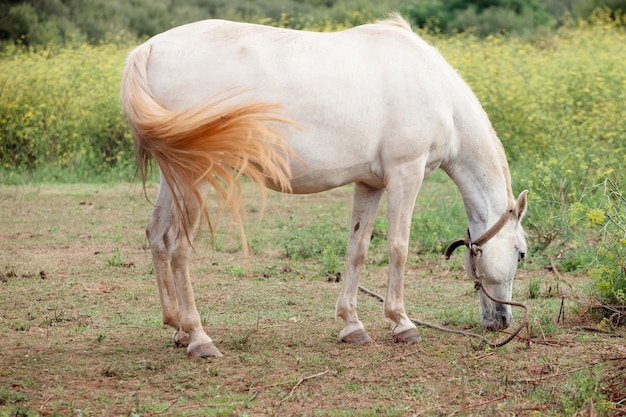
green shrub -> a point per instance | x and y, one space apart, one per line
59 107
557 103
603 211
484 18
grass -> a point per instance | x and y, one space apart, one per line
87 338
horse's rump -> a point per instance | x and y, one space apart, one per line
214 140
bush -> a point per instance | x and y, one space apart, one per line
496 16
494 20
603 212
557 103
59 107
39 22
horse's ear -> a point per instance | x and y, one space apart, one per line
521 205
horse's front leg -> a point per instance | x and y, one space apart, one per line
364 205
402 189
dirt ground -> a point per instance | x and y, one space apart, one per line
82 335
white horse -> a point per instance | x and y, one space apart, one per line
304 112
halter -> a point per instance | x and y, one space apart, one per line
475 246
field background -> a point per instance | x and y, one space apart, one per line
79 311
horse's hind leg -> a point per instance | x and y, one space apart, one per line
157 231
170 253
364 205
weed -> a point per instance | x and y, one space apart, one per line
116 259
312 241
602 212
583 386
7 397
331 260
578 259
534 288
20 412
464 317
238 271
543 326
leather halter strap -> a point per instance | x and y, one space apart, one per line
475 246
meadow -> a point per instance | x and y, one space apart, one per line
82 334
82 290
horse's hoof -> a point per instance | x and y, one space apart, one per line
205 350
357 336
407 336
180 338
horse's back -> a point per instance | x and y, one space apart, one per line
354 92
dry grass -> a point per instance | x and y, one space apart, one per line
80 319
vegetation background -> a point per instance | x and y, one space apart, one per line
550 74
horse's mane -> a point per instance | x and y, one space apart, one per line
503 163
396 19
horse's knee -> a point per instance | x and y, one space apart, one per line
178 247
358 253
398 251
155 233
166 239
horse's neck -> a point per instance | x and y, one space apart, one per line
483 178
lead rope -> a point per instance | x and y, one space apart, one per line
475 253
486 341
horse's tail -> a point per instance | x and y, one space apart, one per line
212 141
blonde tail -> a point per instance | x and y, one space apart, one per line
212 141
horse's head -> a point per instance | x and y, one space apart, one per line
496 266
491 261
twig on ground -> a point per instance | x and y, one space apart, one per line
543 335
45 402
561 317
293 389
166 409
479 357
471 407
556 375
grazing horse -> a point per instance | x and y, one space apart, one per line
303 112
